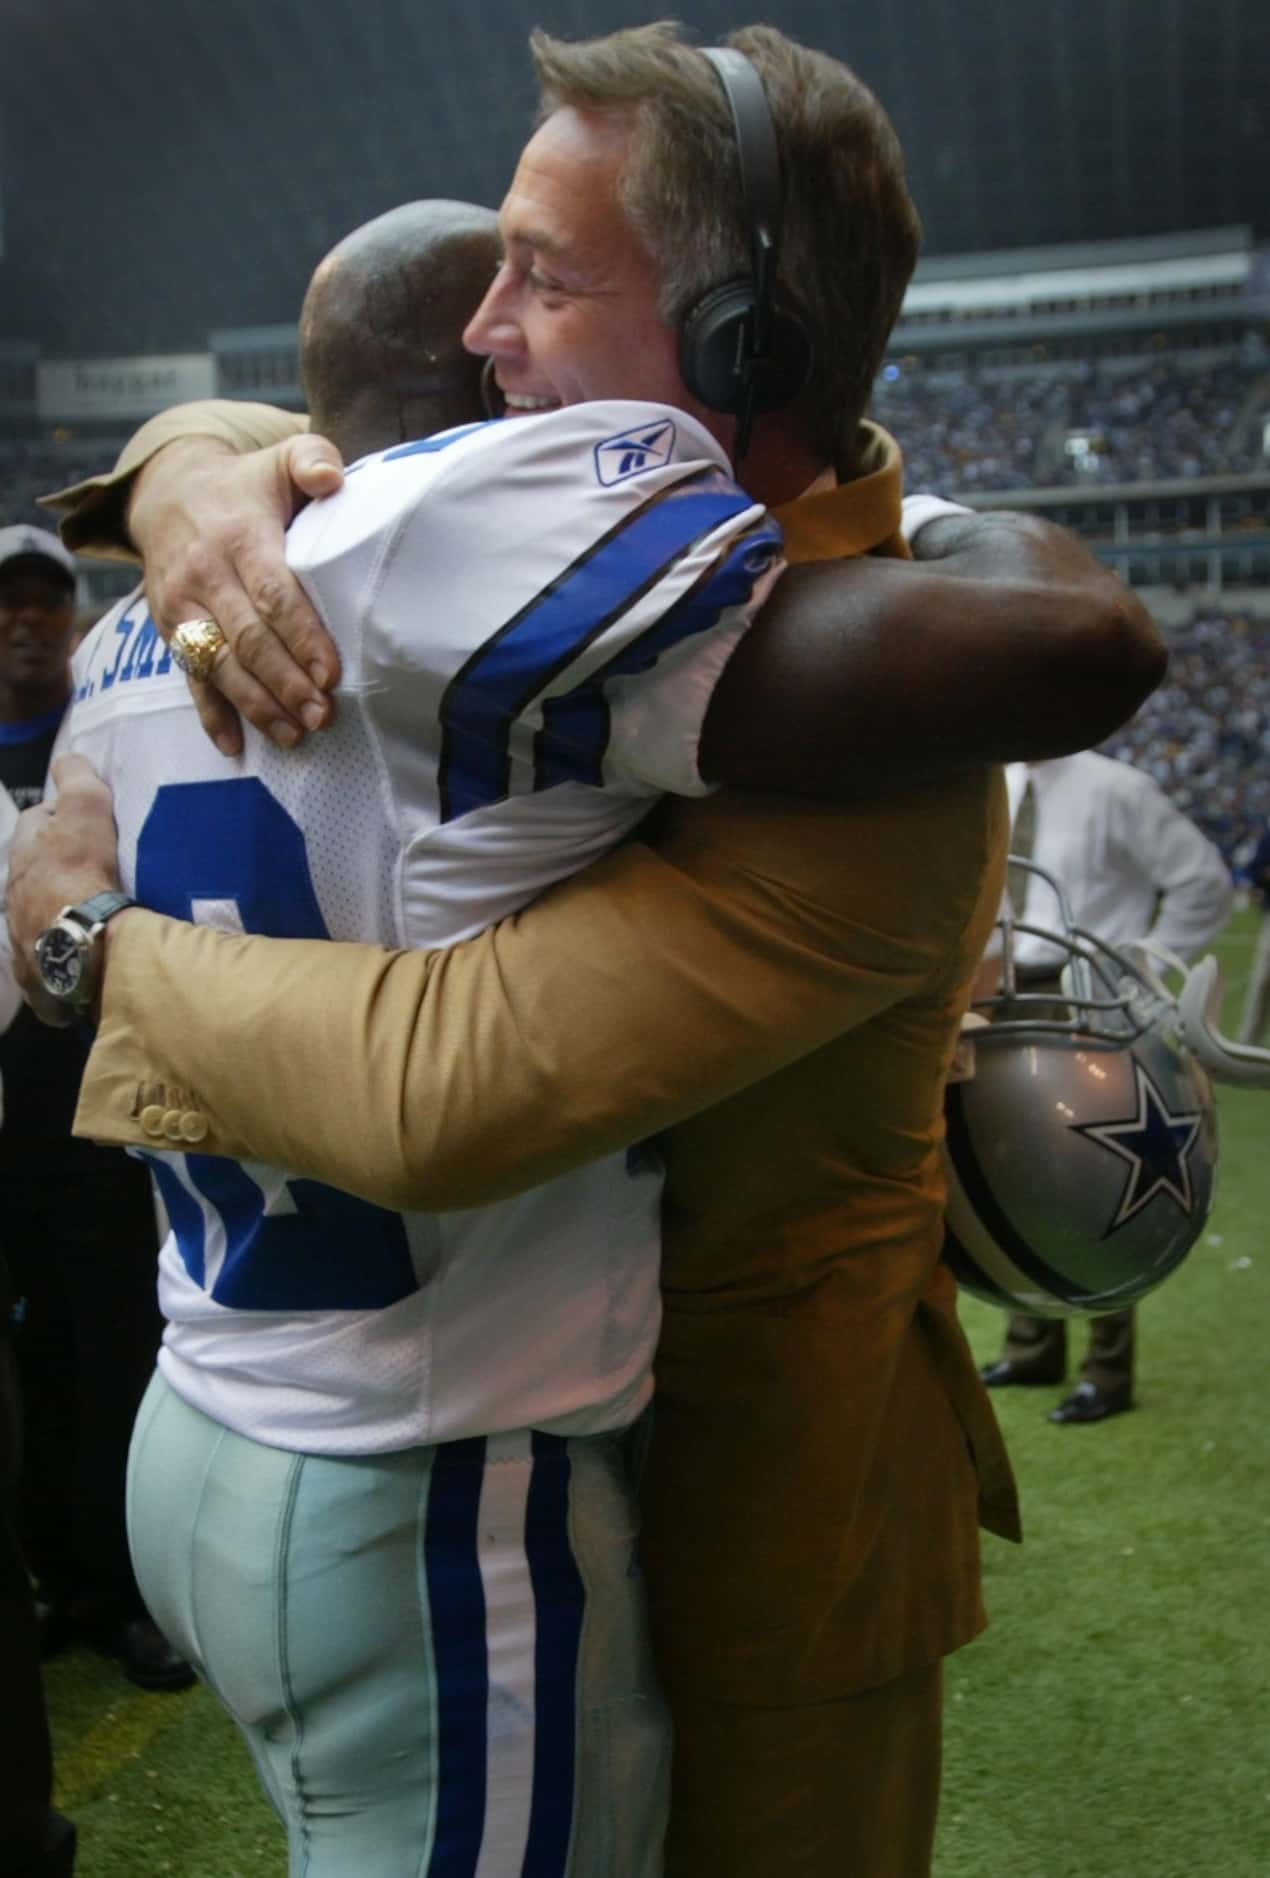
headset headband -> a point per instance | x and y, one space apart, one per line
737 351
760 163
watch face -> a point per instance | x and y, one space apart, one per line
59 954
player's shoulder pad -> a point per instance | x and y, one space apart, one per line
376 493
595 446
607 441
593 460
600 443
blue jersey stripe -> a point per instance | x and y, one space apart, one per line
456 1602
559 1606
504 676
575 726
426 446
573 737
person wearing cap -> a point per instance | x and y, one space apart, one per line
37 621
80 1237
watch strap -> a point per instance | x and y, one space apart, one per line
100 908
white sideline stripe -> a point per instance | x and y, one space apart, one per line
510 1630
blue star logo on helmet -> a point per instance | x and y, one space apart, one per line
1155 1143
646 447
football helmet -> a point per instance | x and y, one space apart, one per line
1081 1132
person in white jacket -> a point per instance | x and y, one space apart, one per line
1131 866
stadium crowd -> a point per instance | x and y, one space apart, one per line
1160 422
1205 734
969 433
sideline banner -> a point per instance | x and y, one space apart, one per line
66 389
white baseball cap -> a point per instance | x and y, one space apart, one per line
22 542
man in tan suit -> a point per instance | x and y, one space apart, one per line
823 1449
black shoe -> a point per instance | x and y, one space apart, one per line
147 1658
52 1857
1089 1403
1005 1371
56 1627
60 1838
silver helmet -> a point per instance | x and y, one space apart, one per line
1081 1132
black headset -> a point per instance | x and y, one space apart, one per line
737 353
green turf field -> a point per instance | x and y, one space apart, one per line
1115 1720
1116 1717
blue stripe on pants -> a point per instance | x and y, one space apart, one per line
457 1603
559 1602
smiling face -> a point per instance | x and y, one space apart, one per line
37 619
572 312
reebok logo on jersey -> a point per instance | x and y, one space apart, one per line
634 451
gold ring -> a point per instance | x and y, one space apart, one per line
195 645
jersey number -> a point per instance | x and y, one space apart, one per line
318 1249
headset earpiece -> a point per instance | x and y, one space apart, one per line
737 352
714 359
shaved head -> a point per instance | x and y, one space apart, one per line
381 350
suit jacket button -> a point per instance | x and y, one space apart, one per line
151 1118
193 1126
172 1124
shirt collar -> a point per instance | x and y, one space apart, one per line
831 519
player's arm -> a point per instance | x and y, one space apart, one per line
1004 639
621 1001
1009 640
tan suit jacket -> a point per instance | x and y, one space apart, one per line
778 985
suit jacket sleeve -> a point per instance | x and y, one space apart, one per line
94 517
620 1002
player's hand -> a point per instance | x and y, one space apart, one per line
210 527
63 852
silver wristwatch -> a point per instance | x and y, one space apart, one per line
69 952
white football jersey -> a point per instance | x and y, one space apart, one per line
531 616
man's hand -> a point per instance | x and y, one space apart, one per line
63 852
209 526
